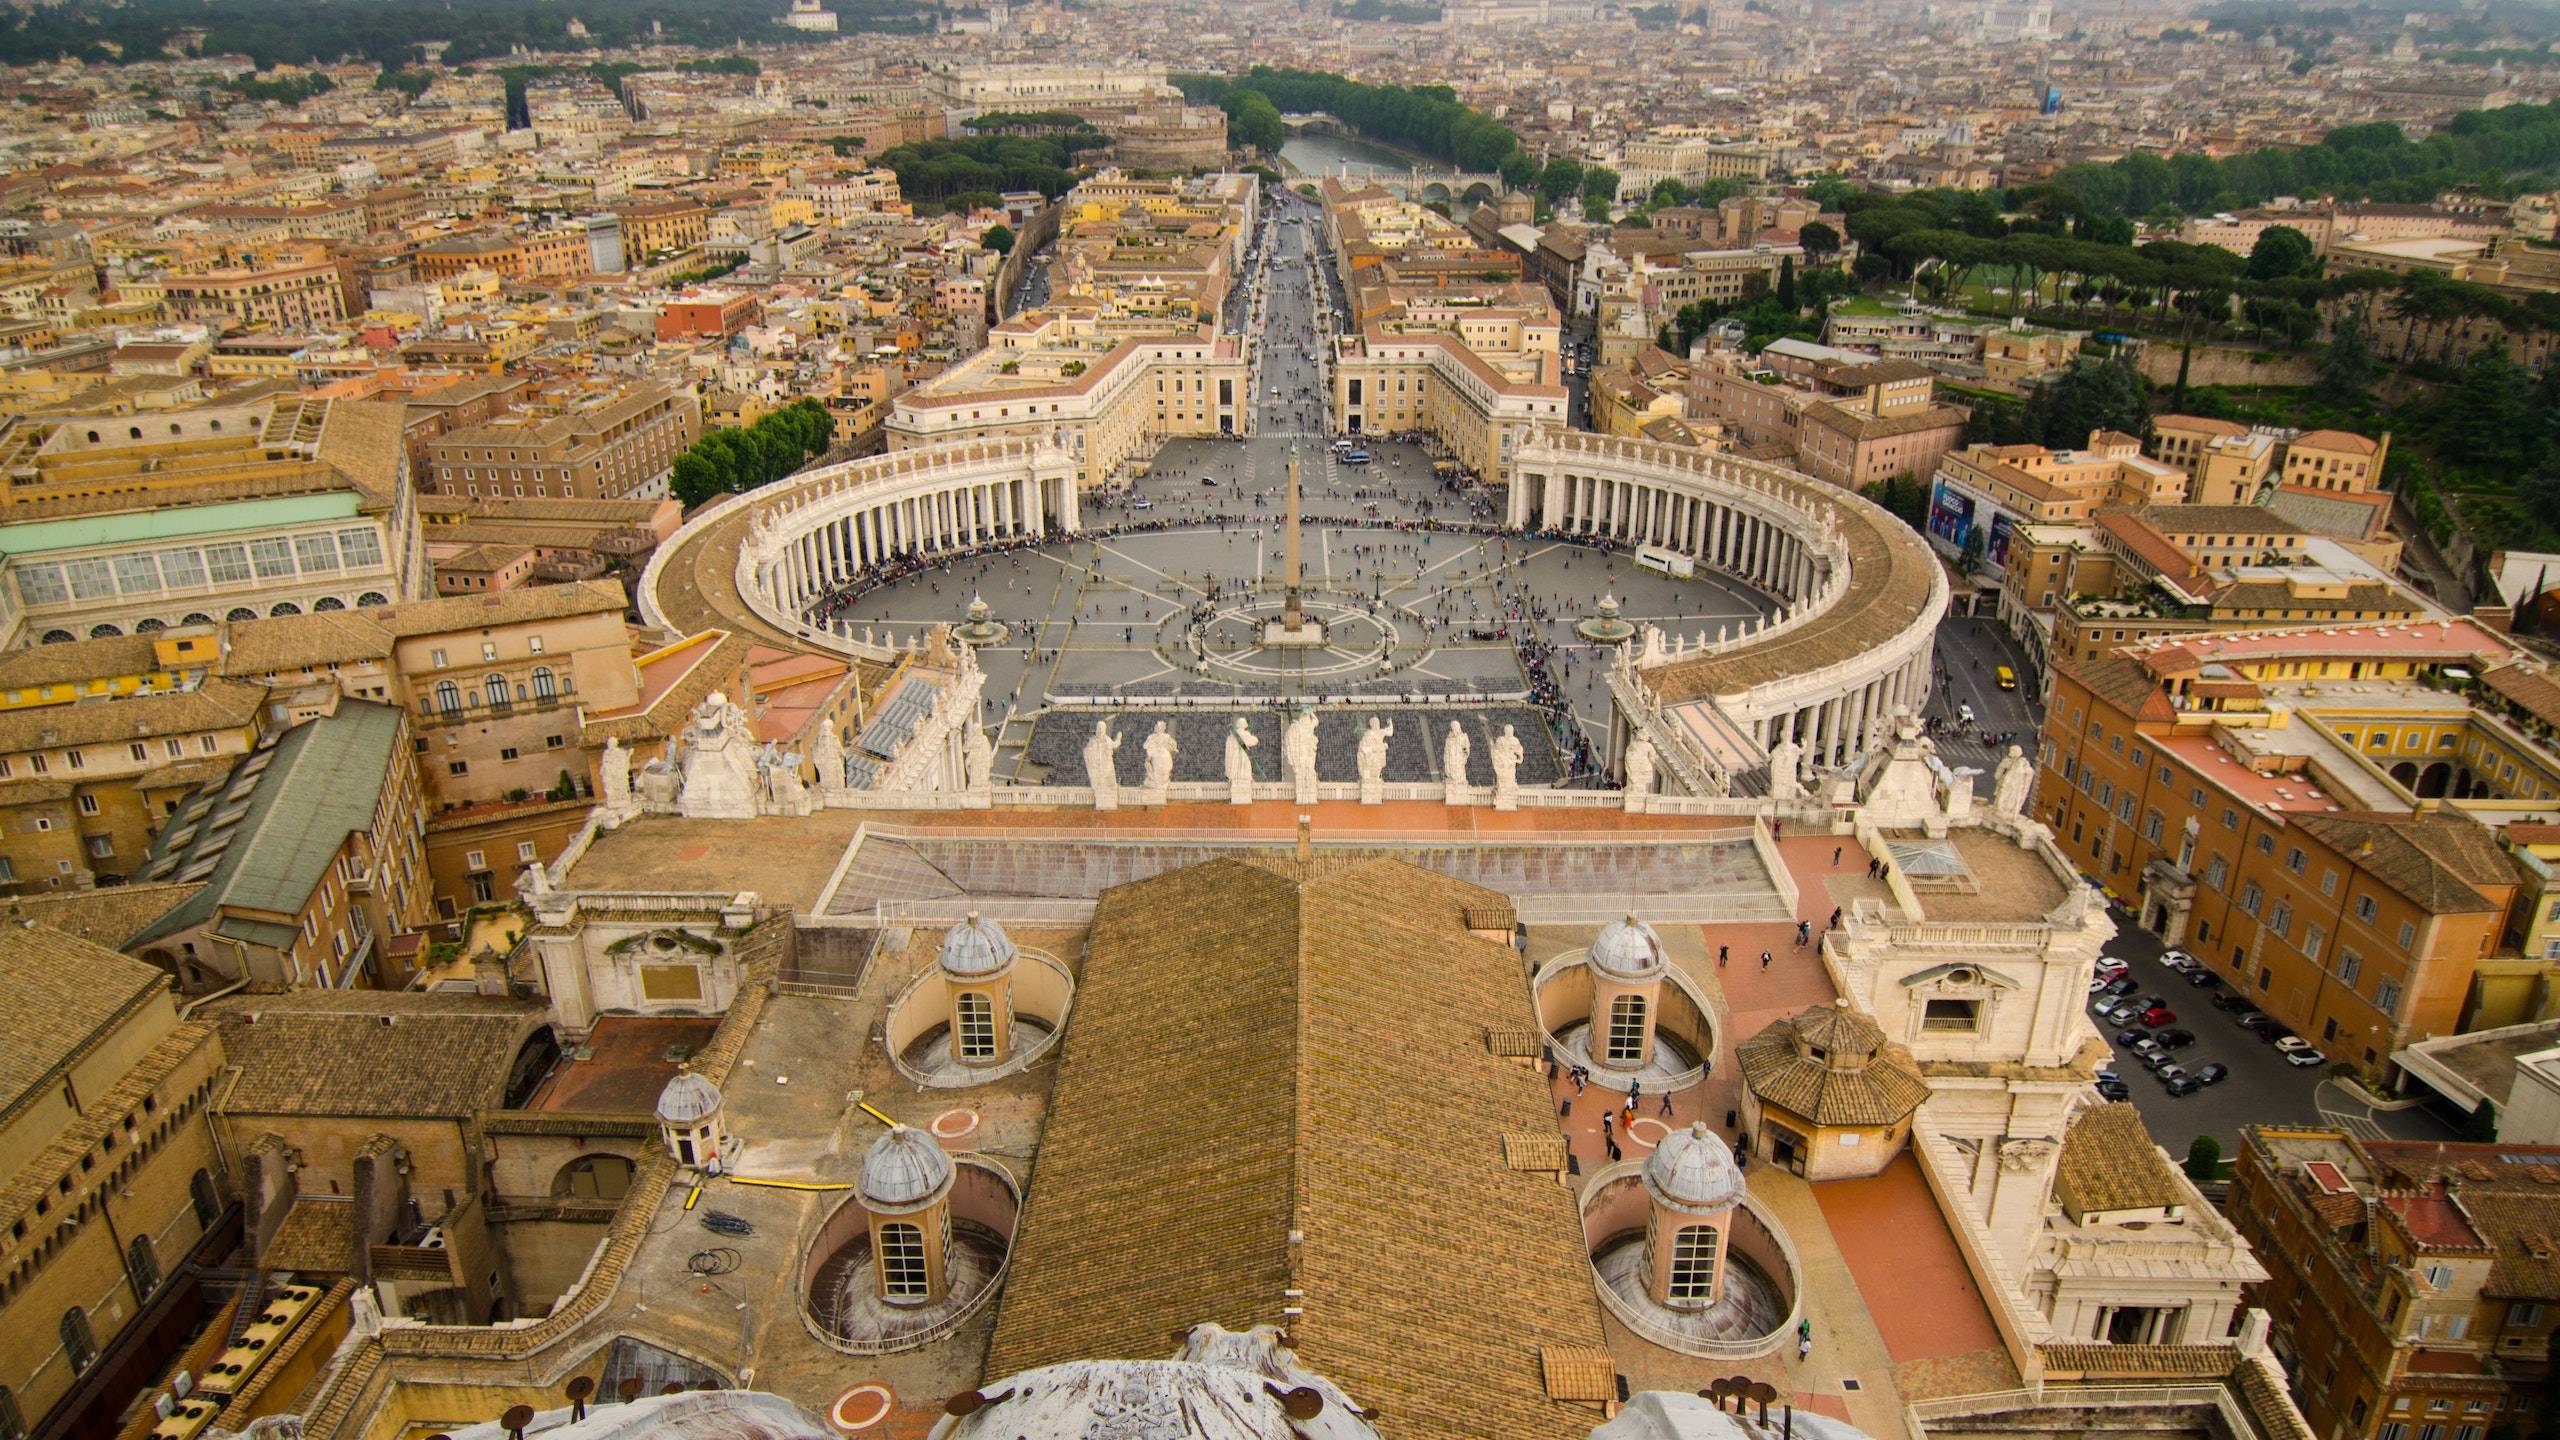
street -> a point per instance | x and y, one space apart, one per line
2262 1088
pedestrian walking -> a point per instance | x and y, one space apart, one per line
1835 855
1666 1100
1608 1124
1723 953
1764 960
1614 1155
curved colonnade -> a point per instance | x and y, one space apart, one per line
1859 595
753 562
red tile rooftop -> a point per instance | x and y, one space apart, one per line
2430 640
2435 1221
628 1064
2295 793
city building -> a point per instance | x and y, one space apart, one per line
118 1188
115 526
309 858
2412 1280
611 443
2257 796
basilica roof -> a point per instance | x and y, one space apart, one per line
1238 1135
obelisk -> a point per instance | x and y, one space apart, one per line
1293 612
1293 627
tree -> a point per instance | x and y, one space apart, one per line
1599 183
1820 241
2348 366
1253 120
1561 177
2092 395
998 238
2204 1158
1787 283
2281 253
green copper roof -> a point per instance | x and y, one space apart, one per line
263 839
36 537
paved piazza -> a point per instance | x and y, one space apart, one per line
1136 620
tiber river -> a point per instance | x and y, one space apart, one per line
1310 156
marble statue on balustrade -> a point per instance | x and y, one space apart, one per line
718 776
1639 765
778 772
826 755
1160 747
2011 784
1454 750
613 769
1373 760
1507 753
1786 771
1298 757
1102 766
977 759
1240 745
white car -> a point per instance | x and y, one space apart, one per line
2178 960
2306 1057
2293 1044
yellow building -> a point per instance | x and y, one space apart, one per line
114 1184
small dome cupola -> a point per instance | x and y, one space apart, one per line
906 1170
690 1122
976 949
1692 1173
1628 950
688 1099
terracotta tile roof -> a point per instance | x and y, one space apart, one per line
1574 1373
1859 1079
507 607
106 916
216 705
2268 1403
1234 1120
1516 1042
317 1234
2531 691
2146 1361
2110 1163
303 642
65 996
328 1052
2429 859
1534 1150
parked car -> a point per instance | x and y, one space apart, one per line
2121 1013
2097 983
2204 979
2156 1061
2213 1073
2275 1035
2183 1086
2158 1015
2114 1090
2137 1039
2178 960
2306 1058
2111 967
2291 1043
2123 985
2177 1039
2261 1024
2233 1001
2169 1074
